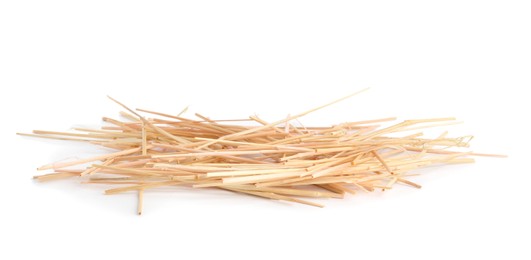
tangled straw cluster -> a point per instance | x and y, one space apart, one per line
271 160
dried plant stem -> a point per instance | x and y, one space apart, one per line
279 160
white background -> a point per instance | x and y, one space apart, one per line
469 59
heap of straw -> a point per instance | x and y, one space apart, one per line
276 160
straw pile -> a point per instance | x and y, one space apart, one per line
278 160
